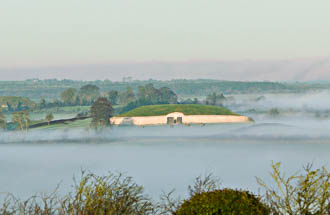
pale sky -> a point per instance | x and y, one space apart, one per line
38 33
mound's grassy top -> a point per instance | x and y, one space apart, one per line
193 109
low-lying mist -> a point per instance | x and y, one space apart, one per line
272 128
291 102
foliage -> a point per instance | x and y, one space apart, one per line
103 195
22 119
112 194
274 112
113 96
49 117
101 112
208 183
70 96
190 101
226 202
52 88
88 93
26 119
127 96
193 109
206 197
149 94
305 194
215 99
3 121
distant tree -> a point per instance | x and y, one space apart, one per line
141 95
167 96
69 96
88 94
10 108
42 103
113 96
101 111
196 101
19 106
215 99
127 96
150 95
22 119
49 117
274 112
26 118
3 121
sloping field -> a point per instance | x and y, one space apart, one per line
189 109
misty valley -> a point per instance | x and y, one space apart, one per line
65 138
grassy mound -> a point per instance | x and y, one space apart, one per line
189 109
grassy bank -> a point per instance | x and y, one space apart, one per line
189 109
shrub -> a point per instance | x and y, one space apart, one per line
102 195
223 202
304 194
109 195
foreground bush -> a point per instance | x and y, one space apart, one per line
101 195
113 194
304 194
223 202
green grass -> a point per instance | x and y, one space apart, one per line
193 109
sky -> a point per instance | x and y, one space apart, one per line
48 34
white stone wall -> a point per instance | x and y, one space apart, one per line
194 119
186 119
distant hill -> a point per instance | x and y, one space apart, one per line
52 88
191 109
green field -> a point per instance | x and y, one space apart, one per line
189 109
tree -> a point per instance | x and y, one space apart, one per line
88 94
49 117
215 99
167 96
26 119
69 96
196 101
42 103
274 112
150 95
101 111
113 96
127 96
19 106
17 118
10 108
3 121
